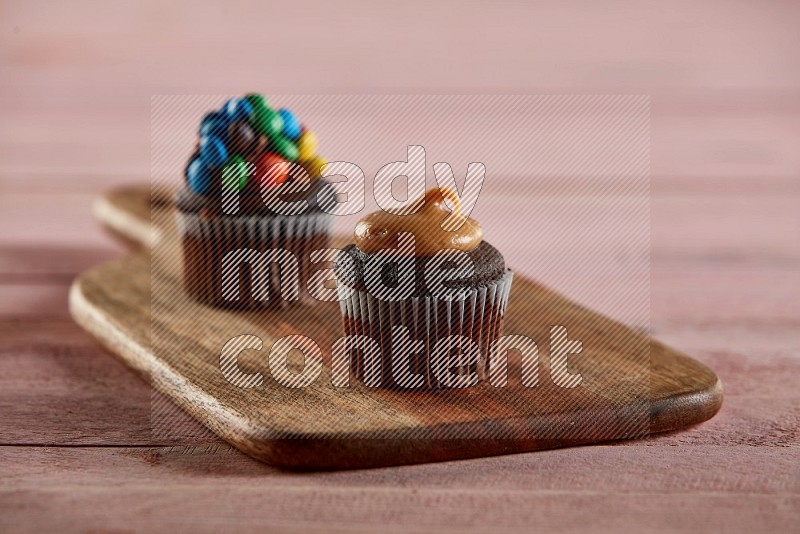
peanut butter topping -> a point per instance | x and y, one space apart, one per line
434 227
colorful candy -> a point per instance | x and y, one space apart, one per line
198 176
213 151
291 126
215 124
235 173
256 100
238 109
241 137
307 145
268 122
247 130
272 170
284 148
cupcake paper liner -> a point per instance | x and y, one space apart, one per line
257 228
477 317
207 240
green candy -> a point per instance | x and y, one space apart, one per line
267 122
235 173
285 148
256 100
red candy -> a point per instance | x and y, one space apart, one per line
272 170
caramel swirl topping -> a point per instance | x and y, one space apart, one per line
433 226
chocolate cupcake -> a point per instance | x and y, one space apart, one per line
249 213
422 297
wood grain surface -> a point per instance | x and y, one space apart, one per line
78 450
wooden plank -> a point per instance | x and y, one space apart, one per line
624 54
363 510
211 488
57 387
695 149
56 220
582 469
690 146
20 264
34 299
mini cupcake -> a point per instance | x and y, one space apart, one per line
421 312
242 246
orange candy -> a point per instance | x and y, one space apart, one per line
272 170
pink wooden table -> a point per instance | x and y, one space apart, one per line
77 449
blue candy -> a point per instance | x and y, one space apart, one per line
215 124
237 109
198 176
213 151
291 126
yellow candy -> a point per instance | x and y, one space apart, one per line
313 165
307 145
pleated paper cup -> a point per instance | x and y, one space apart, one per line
216 249
425 342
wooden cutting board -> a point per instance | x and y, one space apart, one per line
631 385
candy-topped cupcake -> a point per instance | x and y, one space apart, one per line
424 294
251 191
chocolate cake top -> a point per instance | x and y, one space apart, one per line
487 262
